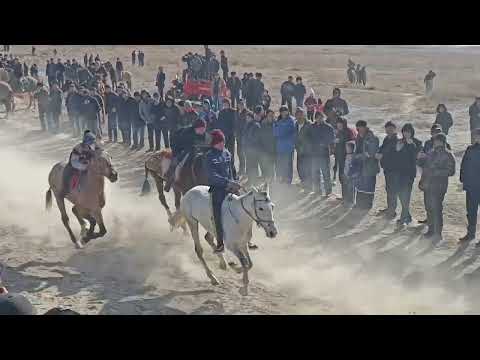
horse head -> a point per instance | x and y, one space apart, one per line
102 165
263 210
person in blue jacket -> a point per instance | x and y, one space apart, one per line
220 180
284 131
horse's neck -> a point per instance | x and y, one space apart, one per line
240 212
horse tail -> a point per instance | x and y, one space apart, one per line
48 200
146 188
177 220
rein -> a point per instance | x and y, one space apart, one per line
255 218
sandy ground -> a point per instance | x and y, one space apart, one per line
325 261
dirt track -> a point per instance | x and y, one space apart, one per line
324 262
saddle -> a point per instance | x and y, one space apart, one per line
77 180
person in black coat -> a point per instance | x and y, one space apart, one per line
444 118
336 104
125 113
404 169
160 125
90 111
474 113
470 178
240 122
172 115
160 81
55 107
303 147
72 103
111 105
386 157
287 91
234 84
119 69
224 65
226 122
60 72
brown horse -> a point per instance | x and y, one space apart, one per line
88 200
190 175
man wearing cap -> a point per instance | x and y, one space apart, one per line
220 179
428 146
183 144
336 104
284 131
79 160
234 84
474 112
470 178
437 166
111 104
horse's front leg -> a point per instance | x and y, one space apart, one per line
246 266
81 221
99 217
199 251
161 194
65 220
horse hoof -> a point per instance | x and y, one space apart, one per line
243 291
214 281
78 245
252 247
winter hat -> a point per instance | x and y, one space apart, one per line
258 109
199 123
217 137
283 108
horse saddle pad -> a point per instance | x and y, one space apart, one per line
77 181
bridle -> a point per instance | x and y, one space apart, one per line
255 218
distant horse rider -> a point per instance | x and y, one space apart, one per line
220 179
79 160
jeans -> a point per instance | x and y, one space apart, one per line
41 115
241 158
405 184
299 101
112 126
321 168
391 188
93 125
473 202
252 166
347 189
285 167
433 198
126 131
138 135
267 166
235 99
304 168
153 137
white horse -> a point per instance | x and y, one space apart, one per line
238 215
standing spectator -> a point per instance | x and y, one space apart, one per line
244 81
256 90
428 80
218 89
33 50
160 81
226 123
34 71
250 143
343 135
469 177
284 132
310 104
287 91
119 69
134 57
60 70
474 112
336 104
299 92
141 58
234 84
249 92
41 95
206 114
303 147
160 125
266 100
97 58
172 115
438 165
434 130
138 125
145 109
85 60
351 174
69 76
267 147
240 122
444 118
90 112
51 72
386 155
188 115
322 138
95 93
224 65
25 69
111 109
90 60
72 103
113 77
55 107
75 67
405 170
125 111
366 146
213 66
